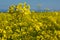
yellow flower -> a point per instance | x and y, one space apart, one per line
37 27
4 31
56 13
3 38
1 30
30 28
58 32
17 30
38 37
40 23
23 33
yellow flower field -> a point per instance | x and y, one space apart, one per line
22 24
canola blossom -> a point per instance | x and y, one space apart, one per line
19 23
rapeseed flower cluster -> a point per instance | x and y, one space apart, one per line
22 8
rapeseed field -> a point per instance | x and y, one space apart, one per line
19 23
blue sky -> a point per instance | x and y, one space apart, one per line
51 4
